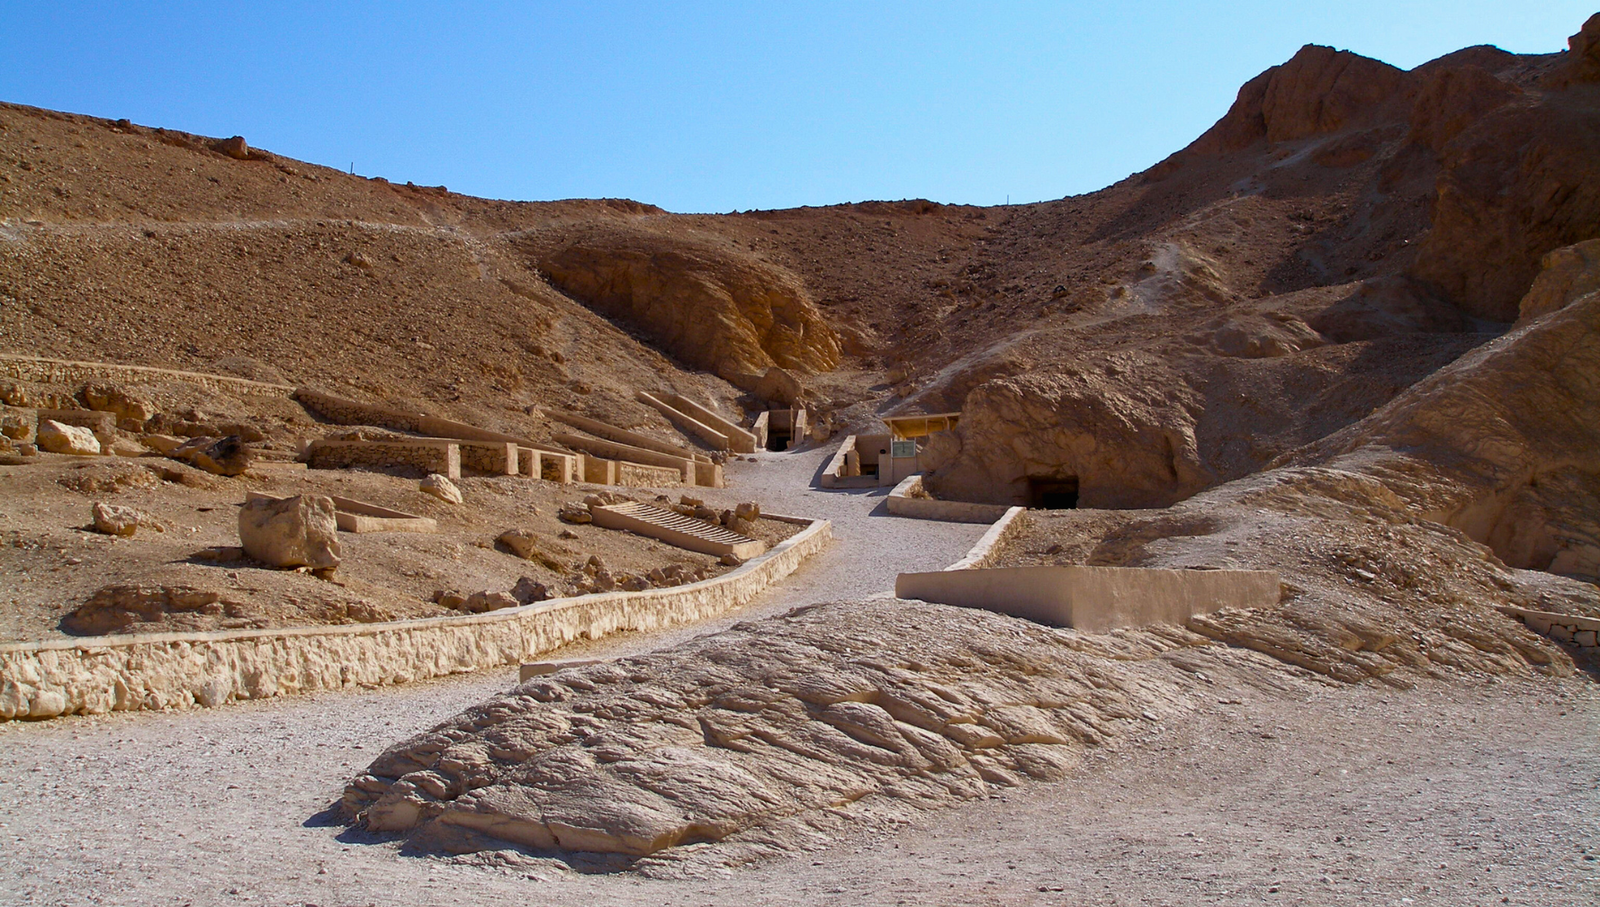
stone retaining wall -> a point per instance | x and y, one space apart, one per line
637 475
182 670
904 500
66 371
443 457
988 547
1573 629
493 458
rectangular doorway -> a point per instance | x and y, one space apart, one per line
1053 492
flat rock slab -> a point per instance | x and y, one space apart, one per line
762 729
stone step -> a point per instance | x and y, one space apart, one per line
676 529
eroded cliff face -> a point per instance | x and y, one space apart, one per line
1504 444
703 302
1404 215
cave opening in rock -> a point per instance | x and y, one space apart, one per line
1053 492
777 439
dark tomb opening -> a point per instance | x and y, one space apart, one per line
1054 493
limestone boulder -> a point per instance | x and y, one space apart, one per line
529 546
228 456
119 520
442 488
301 531
529 590
131 409
19 424
235 147
55 437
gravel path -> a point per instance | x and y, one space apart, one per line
1460 794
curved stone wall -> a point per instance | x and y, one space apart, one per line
181 670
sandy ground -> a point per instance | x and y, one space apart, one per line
1471 793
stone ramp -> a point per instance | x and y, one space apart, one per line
676 529
719 432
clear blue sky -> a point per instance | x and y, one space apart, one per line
715 106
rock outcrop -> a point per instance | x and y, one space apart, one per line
713 308
1566 275
1121 426
1582 62
1517 184
1319 90
1503 444
778 721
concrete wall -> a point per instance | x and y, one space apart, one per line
552 467
66 371
1095 599
988 547
687 423
844 468
343 411
905 500
182 670
1572 629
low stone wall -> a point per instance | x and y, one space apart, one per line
495 458
987 549
66 371
904 501
182 670
1572 629
638 475
443 457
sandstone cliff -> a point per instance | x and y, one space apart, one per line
710 306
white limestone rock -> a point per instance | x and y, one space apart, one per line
67 439
442 488
292 532
115 519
